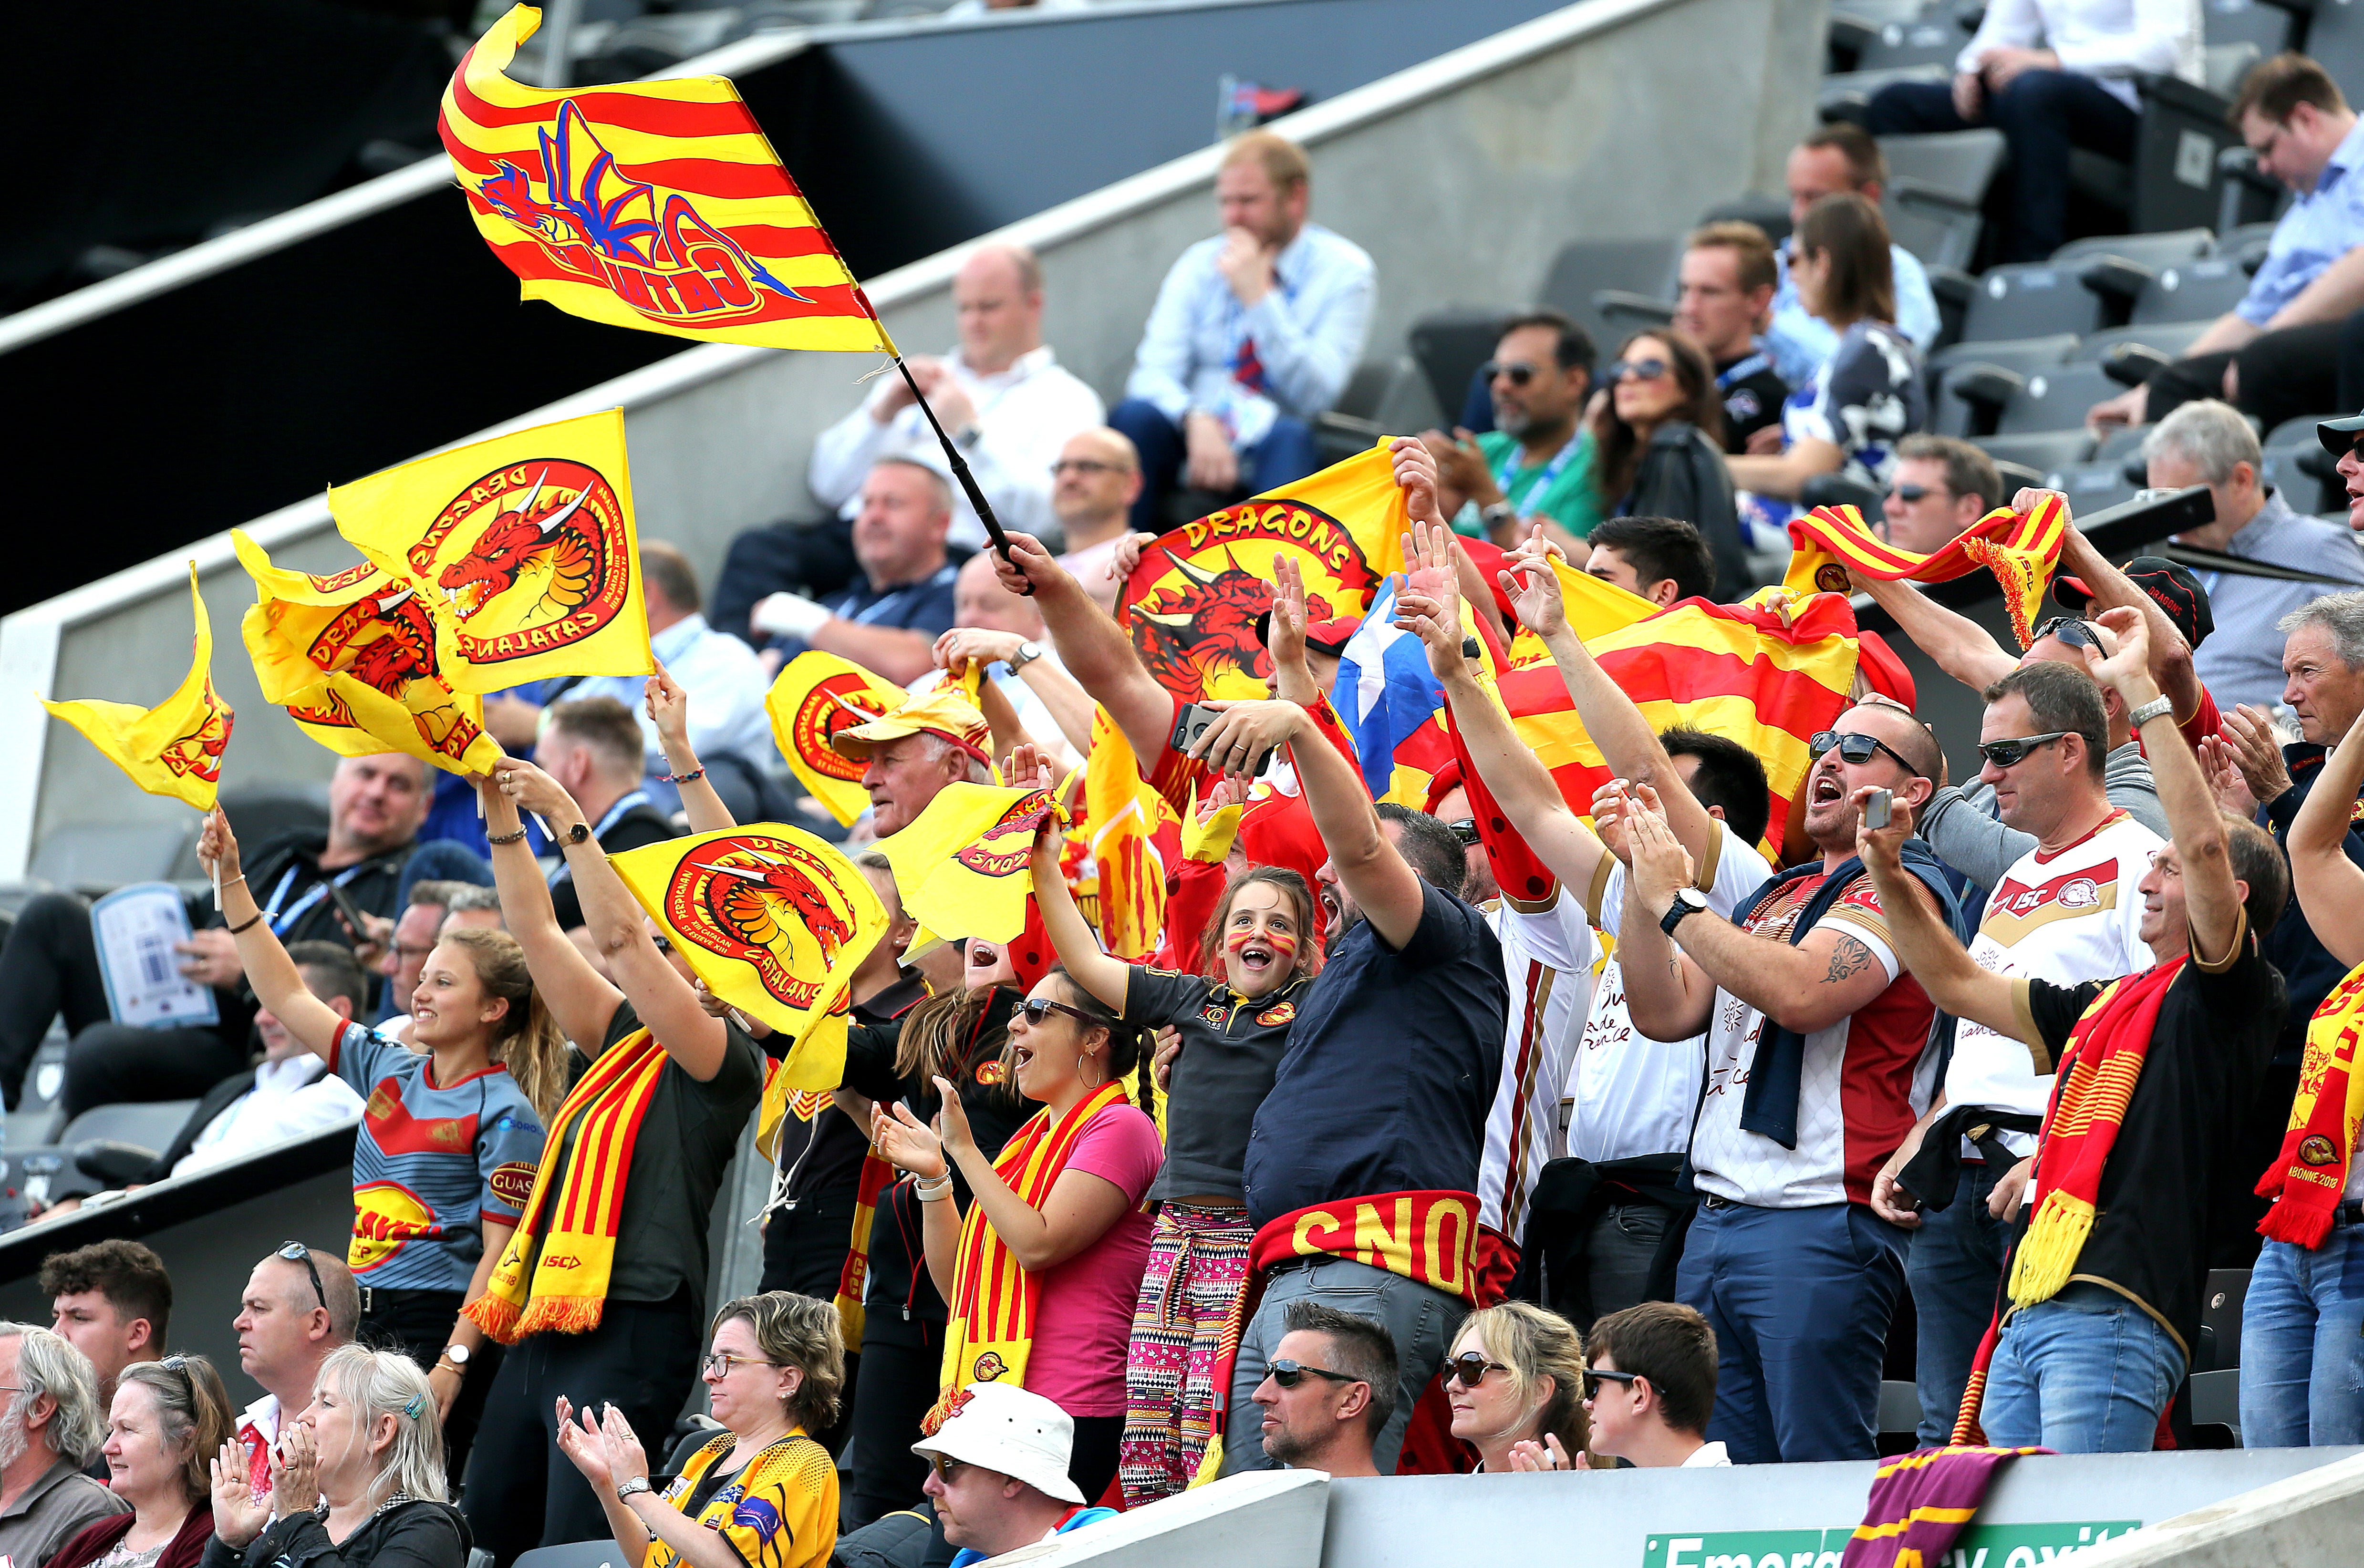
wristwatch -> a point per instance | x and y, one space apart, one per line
578 833
1027 653
457 1355
1688 901
633 1487
2158 707
1500 512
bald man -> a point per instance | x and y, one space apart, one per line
1093 486
1000 394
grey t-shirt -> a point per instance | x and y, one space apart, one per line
53 1510
1231 1049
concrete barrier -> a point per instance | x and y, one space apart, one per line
2316 1516
1462 176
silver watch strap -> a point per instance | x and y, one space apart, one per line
2158 707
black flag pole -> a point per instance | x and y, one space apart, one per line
960 468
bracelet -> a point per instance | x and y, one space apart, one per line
233 882
2158 707
935 1189
505 837
689 777
246 923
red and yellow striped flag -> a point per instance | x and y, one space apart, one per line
2020 548
1122 814
658 205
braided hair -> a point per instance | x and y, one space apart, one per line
1129 1043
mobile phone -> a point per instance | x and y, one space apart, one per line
350 910
1878 809
1194 720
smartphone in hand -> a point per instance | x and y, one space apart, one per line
1193 721
1879 810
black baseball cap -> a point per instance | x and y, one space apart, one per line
2338 436
2171 587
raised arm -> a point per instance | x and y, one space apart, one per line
1959 645
2329 885
2211 897
2170 656
1092 647
1079 950
277 983
581 999
1925 946
668 707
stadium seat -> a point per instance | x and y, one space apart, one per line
2056 399
2154 251
2292 452
2049 453
1847 94
2196 291
2092 486
1383 397
260 815
602 1553
99 1149
96 859
2220 1309
1934 40
2335 37
1449 346
2029 299
2269 27
2215 1401
1900 1412
1937 192
2170 339
1966 397
1770 213
1590 268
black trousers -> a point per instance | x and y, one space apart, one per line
2286 374
2042 114
1091 1464
417 1323
521 1492
902 1373
805 1246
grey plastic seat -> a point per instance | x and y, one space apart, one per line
2030 299
1449 345
2048 452
2292 451
1587 269
2056 399
2169 337
95 859
2168 249
1966 397
2193 291
2269 27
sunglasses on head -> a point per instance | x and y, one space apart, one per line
1289 1374
1518 372
2073 630
296 1252
1465 829
1471 1367
2011 753
1593 1380
1640 370
1857 748
1038 1010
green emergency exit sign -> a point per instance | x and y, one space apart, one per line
1980 1546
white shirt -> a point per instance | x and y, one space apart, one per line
724 679
2068 916
1308 331
1024 415
2111 40
1707 1456
289 1100
1090 565
1634 1095
1547 957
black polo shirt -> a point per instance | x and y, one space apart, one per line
1753 393
1390 1068
1232 1048
825 1153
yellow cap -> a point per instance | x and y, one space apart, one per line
944 714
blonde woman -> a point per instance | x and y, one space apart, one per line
1515 1381
761 1493
357 1479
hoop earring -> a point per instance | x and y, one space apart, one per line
1081 1059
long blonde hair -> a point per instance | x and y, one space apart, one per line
528 1041
1535 1343
384 1382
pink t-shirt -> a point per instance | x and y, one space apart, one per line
1083 1320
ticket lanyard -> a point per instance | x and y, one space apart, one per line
1542 484
282 924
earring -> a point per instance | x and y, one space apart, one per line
1080 1059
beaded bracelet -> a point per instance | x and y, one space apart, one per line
689 777
505 838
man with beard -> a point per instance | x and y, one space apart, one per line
52 1428
1328 1389
1536 463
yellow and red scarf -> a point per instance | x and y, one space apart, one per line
2097 1076
991 1333
2310 1175
570 1266
2020 548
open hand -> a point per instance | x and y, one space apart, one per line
1289 616
2249 734
627 1460
1429 602
1548 1454
2222 768
583 1444
906 1144
1612 806
238 1514
1530 578
295 1470
1660 864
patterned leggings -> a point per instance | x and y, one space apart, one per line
1188 1313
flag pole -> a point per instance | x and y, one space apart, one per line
960 467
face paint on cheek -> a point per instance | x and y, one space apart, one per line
1283 946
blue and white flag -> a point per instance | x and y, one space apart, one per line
1385 693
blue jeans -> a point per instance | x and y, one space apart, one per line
2087 1372
2302 1356
1954 1268
1288 452
1800 1299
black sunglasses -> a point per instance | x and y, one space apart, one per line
1593 1380
946 1467
1471 1367
1857 748
296 1252
2072 630
1465 829
1640 370
1909 493
1517 372
2011 753
1289 1374
1038 1010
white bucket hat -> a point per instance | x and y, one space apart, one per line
1011 1433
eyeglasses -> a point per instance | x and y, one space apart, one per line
1855 747
719 1363
946 1467
1289 1374
2011 753
1593 1380
1465 829
1082 465
2072 630
1038 1010
1518 372
1471 1367
1640 370
296 1252
1911 493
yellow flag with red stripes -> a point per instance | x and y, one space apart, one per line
1121 814
174 748
653 205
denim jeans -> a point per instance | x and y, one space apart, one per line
1800 1300
2087 1372
1623 1248
2302 1356
1954 1268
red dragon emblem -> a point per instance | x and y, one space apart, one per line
1192 603
836 702
1003 848
199 753
761 900
531 558
383 640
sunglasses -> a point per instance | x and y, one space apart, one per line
1911 493
1471 1367
1037 1011
1465 829
1517 372
2070 629
946 1467
2011 753
1857 748
1593 1380
1640 370
1289 1374
296 1252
